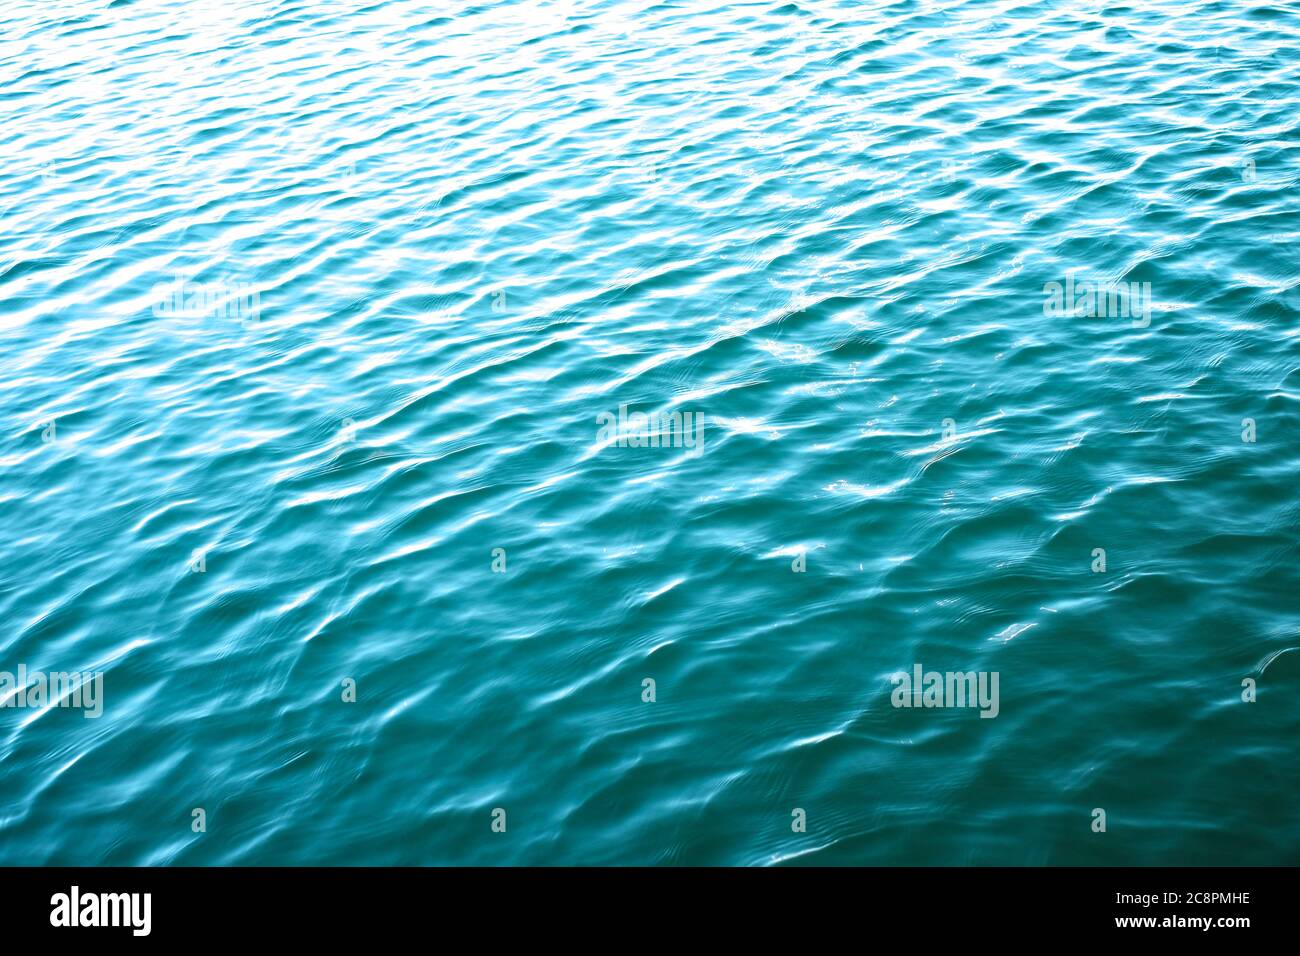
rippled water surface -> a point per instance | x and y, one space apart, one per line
421 248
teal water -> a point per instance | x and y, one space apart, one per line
423 249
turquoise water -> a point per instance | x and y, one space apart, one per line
307 309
